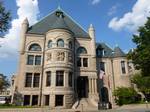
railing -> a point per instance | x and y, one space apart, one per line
5 93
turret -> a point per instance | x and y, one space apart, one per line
92 35
24 28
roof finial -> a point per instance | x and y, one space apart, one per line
116 45
59 7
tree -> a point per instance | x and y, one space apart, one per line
4 19
141 58
125 95
141 55
4 83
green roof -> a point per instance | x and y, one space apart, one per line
57 20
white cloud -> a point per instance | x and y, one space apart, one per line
95 2
113 9
132 20
9 44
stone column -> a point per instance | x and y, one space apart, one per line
95 81
32 80
66 73
90 86
30 100
53 78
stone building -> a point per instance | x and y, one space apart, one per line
60 63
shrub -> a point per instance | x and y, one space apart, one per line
125 95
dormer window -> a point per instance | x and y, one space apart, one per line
100 52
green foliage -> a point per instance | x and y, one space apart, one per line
4 18
125 95
143 83
4 83
141 55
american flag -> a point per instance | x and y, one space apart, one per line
101 74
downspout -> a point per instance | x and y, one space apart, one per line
112 66
42 72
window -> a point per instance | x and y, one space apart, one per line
35 100
79 62
28 81
46 100
102 66
49 44
26 100
36 80
37 60
70 45
48 78
60 43
123 67
35 47
70 79
59 78
34 60
82 62
30 60
81 50
100 52
85 62
59 100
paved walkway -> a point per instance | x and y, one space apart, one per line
126 108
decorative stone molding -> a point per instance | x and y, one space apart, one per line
60 56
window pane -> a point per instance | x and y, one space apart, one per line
47 100
35 100
79 62
48 78
59 100
100 52
28 81
60 43
70 79
37 60
123 67
85 62
36 80
26 100
30 60
35 47
60 78
81 50
49 44
70 45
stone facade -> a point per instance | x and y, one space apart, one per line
58 69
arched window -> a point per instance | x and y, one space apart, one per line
60 43
81 50
49 44
35 47
70 45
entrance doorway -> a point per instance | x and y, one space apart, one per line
82 87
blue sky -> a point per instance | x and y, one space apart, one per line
115 22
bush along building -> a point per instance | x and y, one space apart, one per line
62 66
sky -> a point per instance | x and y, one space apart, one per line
115 21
